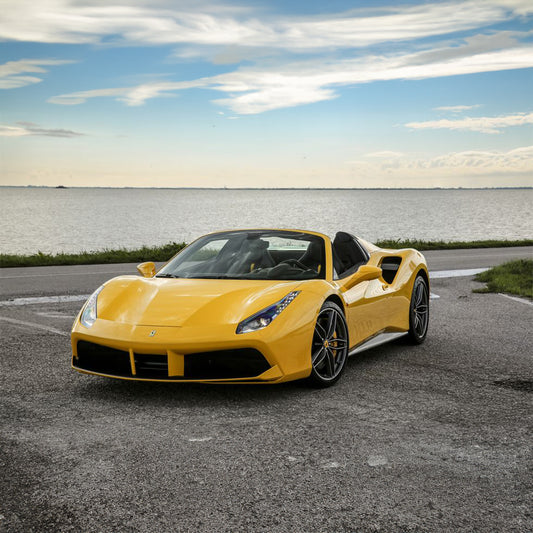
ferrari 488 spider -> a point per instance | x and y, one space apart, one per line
253 306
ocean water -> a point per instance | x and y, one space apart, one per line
71 220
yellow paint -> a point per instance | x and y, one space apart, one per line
147 269
201 315
176 364
132 362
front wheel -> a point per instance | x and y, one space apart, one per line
419 311
329 351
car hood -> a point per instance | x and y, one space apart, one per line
184 302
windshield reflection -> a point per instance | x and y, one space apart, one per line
258 254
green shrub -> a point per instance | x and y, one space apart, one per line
449 245
120 255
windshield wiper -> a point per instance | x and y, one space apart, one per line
166 276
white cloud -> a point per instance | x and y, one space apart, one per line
456 108
227 33
13 73
131 96
479 124
201 24
519 159
81 97
255 90
22 129
466 164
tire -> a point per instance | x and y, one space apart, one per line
329 351
419 311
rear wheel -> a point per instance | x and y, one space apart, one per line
330 346
419 311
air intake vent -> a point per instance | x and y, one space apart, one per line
102 359
225 364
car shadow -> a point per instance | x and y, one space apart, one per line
378 354
116 391
94 388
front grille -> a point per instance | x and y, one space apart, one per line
102 359
151 366
222 364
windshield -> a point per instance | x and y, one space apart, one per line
280 255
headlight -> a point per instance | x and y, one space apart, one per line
263 318
88 315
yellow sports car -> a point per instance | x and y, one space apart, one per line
253 306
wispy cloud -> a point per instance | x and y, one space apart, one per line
255 90
468 163
22 129
456 108
335 50
519 159
131 96
13 73
479 124
202 24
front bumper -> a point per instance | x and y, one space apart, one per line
191 354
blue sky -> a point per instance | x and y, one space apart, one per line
266 93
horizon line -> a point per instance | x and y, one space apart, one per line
270 188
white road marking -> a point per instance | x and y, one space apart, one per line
434 296
332 464
456 273
45 300
34 325
377 460
521 300
199 439
55 314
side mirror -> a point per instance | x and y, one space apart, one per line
364 273
147 270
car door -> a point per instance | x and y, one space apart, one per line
365 307
366 301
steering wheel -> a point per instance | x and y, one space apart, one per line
296 263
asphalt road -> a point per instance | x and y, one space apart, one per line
83 279
429 438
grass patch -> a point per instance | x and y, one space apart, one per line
121 255
450 245
166 251
514 277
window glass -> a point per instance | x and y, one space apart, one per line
250 255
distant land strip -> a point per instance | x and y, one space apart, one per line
272 188
166 251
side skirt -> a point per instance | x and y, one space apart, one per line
380 338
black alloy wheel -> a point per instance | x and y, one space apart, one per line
329 351
419 311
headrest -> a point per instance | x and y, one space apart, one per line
258 244
314 251
343 237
